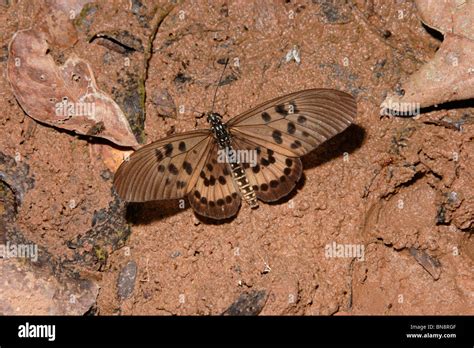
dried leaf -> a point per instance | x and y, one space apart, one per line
452 16
449 76
429 263
66 96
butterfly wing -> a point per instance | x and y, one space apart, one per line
297 123
274 174
165 169
215 194
285 128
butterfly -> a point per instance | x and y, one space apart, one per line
277 133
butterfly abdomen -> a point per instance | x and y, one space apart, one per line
238 174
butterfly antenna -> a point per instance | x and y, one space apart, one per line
218 84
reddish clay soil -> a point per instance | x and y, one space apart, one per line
398 189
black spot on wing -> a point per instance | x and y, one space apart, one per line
168 150
271 159
172 169
182 146
188 168
266 117
281 110
291 128
296 144
212 180
159 155
276 135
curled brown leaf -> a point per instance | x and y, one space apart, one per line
64 96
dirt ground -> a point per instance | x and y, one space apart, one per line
400 190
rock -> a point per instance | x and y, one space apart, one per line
126 280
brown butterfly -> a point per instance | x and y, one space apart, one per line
203 165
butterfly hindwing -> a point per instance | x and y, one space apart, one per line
215 194
297 123
165 169
274 175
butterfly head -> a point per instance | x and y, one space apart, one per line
214 118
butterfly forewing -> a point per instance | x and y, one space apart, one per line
165 169
297 123
274 175
214 194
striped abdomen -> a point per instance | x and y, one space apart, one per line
238 174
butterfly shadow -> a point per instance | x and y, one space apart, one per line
345 142
210 221
147 212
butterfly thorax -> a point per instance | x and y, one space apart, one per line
223 138
219 129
